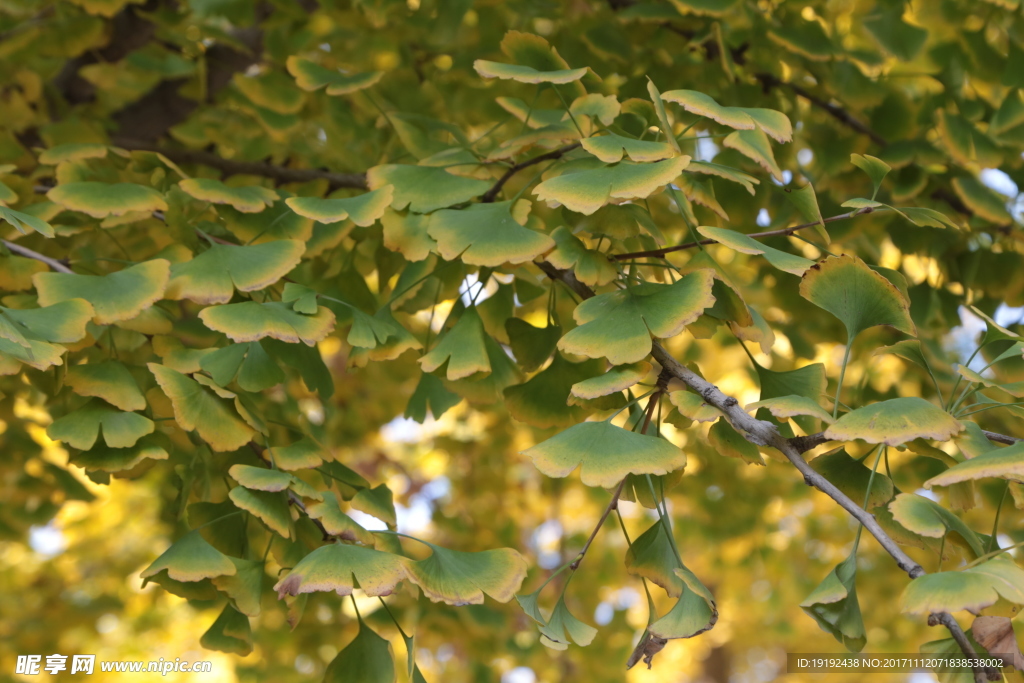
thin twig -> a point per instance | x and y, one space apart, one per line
29 253
491 194
837 112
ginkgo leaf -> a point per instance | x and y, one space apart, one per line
16 272
974 588
694 612
114 297
430 394
424 188
406 233
586 191
562 627
245 586
231 632
651 555
366 659
724 172
527 74
303 454
693 406
542 401
860 297
212 276
791 406
590 266
1012 388
460 578
251 321
73 151
62 323
260 478
724 438
269 507
834 605
101 457
754 145
607 454
39 355
1005 463
378 502
532 346
191 558
874 167
311 76
806 201
100 200
488 234
927 518
895 422
620 325
610 147
82 427
19 220
774 123
249 362
462 348
109 380
196 408
246 198
852 476
341 567
616 379
337 523
790 263
982 200
363 210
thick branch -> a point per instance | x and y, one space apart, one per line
281 174
492 193
768 233
29 253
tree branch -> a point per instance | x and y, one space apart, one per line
29 253
281 174
491 194
767 233
838 113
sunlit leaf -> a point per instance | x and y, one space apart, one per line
245 586
488 234
246 198
109 380
1005 463
562 627
337 523
590 266
791 263
852 476
834 605
100 200
460 578
231 633
82 427
754 145
196 408
587 190
191 558
895 422
423 189
974 588
121 295
461 348
610 148
341 567
694 612
212 276
790 406
251 321
362 209
616 379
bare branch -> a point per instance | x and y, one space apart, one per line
492 193
29 253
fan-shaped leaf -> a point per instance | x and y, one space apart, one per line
542 401
652 556
231 633
974 588
527 74
363 209
82 427
341 567
195 408
245 586
754 145
191 558
62 323
586 191
833 604
531 346
852 476
19 220
616 379
790 406
874 167
114 297
109 380
251 321
1005 463
563 626
462 348
694 613
927 518
100 200
212 276
790 263
311 76
424 188
590 266
609 148
271 508
367 659
459 578
488 234
895 422
337 523
430 393
246 198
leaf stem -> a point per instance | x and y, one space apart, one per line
842 375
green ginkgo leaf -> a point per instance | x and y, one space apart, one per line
311 76
430 394
250 363
590 266
270 508
927 518
488 234
406 233
251 321
246 198
724 438
20 220
562 627
100 200
245 587
693 407
651 555
772 122
542 401
610 148
462 348
106 459
725 172
532 346
341 567
73 151
895 422
212 276
874 167
852 476
806 202
109 380
1005 463
974 588
378 501
694 612
460 578
790 263
39 355
754 145
607 454
230 633
303 454
260 478
337 523
367 659
1012 388
424 188
861 298
587 190
196 408
616 379
791 406
62 323
114 297
620 325
191 558
834 605
982 200
81 428
527 74
363 210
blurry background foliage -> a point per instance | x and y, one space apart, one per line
176 299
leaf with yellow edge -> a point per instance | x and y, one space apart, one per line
363 210
245 586
563 626
407 234
694 613
378 502
860 297
651 556
100 200
260 478
983 201
544 400
246 198
271 508
724 438
311 76
974 588
895 422
806 202
834 605
462 348
61 323
107 459
1005 463
19 220
337 523
73 151
790 263
791 406
586 191
251 321
693 406
607 454
341 568
197 409
724 172
83 426
754 145
610 147
527 74
590 266
191 558
424 188
109 380
774 123
620 325
16 272
39 355
616 379
460 578
230 632
212 276
927 518
118 296
488 234
662 115
1012 388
